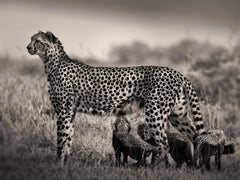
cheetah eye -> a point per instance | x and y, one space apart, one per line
39 45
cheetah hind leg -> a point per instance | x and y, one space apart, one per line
157 123
205 158
218 161
180 119
218 156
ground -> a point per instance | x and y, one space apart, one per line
28 138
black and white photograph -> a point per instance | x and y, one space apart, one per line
119 89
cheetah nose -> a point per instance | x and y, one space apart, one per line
28 47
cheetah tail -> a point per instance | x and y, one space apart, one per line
229 148
195 107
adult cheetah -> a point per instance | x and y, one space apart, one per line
78 87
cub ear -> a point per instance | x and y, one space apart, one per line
50 36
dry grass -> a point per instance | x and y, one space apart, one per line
28 136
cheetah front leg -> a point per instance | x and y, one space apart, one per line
65 131
205 156
125 158
118 157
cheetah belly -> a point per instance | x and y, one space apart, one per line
106 106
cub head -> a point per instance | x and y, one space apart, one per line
144 131
41 43
121 125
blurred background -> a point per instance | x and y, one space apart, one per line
201 39
93 28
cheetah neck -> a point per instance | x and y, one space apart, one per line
52 58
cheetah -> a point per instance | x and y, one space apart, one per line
210 144
125 142
181 148
77 87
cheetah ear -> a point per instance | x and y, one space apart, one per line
50 36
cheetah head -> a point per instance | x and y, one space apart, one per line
121 125
144 131
41 43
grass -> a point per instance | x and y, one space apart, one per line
43 166
28 138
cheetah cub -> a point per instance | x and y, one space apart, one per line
123 141
210 144
181 148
